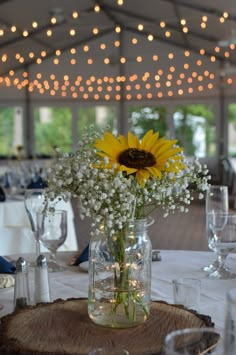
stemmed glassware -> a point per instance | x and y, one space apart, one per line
223 240
52 233
191 341
217 200
34 201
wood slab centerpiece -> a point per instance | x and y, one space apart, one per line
63 327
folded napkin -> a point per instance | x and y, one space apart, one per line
2 195
6 267
84 255
81 257
38 184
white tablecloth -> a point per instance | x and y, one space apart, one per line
74 282
15 233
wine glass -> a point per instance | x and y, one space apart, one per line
52 233
217 200
34 201
223 240
190 341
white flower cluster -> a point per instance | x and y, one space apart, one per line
175 193
104 194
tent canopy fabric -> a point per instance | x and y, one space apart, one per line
114 50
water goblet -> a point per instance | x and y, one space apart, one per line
217 200
52 233
34 201
194 341
223 240
187 291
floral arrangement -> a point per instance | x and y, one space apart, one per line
118 178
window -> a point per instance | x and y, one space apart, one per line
98 116
195 130
194 126
11 130
52 128
142 119
232 130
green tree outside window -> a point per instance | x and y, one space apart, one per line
53 129
6 131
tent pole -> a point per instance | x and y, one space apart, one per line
223 122
28 123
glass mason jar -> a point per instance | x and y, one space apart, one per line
120 276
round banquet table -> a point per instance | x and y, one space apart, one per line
73 282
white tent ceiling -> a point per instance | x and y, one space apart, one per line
183 49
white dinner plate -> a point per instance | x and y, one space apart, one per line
84 266
6 280
6 289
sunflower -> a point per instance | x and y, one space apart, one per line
149 157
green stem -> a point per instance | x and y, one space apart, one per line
123 295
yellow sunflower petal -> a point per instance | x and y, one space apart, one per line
133 141
123 141
178 157
108 151
165 155
146 139
179 165
128 170
109 144
160 143
149 143
102 154
172 169
163 140
166 148
175 167
153 141
142 175
155 171
111 162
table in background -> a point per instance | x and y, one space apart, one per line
175 263
15 232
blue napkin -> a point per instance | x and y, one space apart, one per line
6 267
82 257
2 195
38 184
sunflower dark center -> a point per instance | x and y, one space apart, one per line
136 158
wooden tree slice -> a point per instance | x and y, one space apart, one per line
63 327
